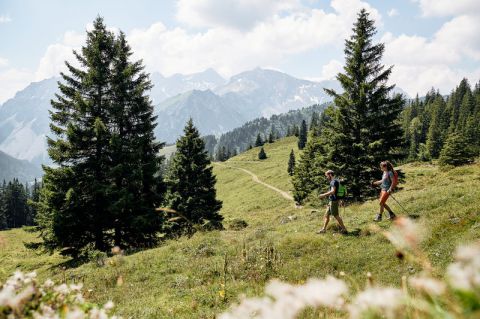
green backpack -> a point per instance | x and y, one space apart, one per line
342 190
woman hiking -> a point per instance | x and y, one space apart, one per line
387 185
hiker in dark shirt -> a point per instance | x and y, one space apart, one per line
332 208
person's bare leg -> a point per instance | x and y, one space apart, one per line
387 208
340 222
326 219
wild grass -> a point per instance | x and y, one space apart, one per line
200 276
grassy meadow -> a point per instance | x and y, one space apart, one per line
201 276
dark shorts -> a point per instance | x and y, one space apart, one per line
332 209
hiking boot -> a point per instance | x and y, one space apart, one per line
378 218
322 231
392 216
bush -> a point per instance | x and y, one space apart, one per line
237 224
262 155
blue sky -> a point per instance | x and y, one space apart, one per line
430 42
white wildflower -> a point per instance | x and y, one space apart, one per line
30 277
62 289
48 283
405 234
6 294
96 313
75 314
464 274
288 300
79 298
383 301
430 286
76 287
18 301
109 305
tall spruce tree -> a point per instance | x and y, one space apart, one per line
104 187
368 130
3 206
136 187
291 163
456 151
302 135
191 185
314 121
259 141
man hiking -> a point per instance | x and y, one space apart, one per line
387 185
332 208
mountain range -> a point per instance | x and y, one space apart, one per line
215 104
11 168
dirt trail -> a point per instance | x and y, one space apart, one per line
257 180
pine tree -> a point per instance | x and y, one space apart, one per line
314 121
191 185
262 155
271 137
456 151
291 163
137 187
3 206
296 130
435 135
368 130
258 141
302 136
313 162
105 184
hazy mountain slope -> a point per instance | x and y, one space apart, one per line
209 112
11 168
24 121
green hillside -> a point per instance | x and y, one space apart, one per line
202 275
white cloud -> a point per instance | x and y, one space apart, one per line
239 14
331 69
13 80
267 40
448 7
3 62
5 18
53 60
392 12
421 62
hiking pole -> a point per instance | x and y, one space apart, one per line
406 211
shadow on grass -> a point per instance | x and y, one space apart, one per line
354 233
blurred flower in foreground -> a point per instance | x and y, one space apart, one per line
385 302
286 300
464 273
430 286
22 297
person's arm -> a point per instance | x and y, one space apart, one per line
376 183
331 192
390 176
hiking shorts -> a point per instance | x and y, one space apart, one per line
384 196
332 209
